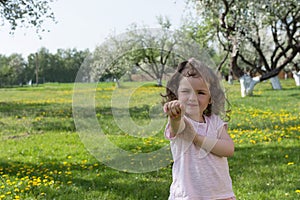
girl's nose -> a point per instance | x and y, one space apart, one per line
192 96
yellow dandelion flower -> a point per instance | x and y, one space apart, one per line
84 161
253 141
290 163
68 172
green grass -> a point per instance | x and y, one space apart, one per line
43 157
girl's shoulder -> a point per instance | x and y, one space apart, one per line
213 118
215 121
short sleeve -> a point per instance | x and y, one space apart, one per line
217 125
221 125
168 133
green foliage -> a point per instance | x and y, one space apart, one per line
12 70
42 157
262 35
142 50
26 13
59 67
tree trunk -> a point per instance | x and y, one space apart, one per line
230 79
117 81
37 63
159 82
247 84
296 76
275 83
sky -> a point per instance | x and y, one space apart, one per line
86 24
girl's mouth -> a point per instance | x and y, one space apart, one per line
192 105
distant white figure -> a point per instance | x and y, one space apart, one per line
296 76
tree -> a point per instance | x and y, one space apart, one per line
145 50
151 52
12 70
26 13
261 36
60 67
68 62
40 65
108 59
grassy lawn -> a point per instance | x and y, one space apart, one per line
43 157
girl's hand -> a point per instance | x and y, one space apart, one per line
174 109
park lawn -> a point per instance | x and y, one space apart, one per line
43 157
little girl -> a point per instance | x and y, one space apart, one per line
200 144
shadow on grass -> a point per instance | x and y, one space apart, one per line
59 117
266 171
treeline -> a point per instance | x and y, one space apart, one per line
41 67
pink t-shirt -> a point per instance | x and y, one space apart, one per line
198 174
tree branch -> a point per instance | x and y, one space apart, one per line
140 67
222 62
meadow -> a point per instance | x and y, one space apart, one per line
42 156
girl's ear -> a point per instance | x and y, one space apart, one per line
210 101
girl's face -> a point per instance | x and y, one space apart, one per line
195 95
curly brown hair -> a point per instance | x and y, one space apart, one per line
197 69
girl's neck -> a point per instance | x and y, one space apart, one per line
199 119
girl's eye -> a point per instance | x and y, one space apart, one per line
184 91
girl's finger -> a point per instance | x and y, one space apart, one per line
177 108
166 108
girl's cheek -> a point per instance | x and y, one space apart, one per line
182 98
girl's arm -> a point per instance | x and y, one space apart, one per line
222 146
176 126
175 111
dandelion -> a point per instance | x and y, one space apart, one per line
290 163
297 191
84 161
68 172
253 141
